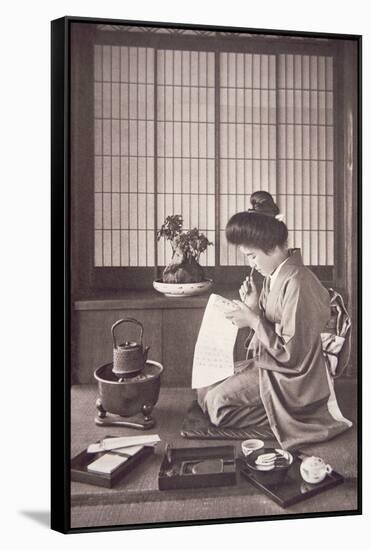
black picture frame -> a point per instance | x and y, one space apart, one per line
65 281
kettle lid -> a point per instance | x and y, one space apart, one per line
129 345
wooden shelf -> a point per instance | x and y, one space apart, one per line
146 299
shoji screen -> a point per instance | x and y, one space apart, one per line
186 143
247 136
174 128
305 152
124 156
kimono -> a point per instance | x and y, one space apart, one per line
285 383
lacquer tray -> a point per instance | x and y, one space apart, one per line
292 488
79 465
195 467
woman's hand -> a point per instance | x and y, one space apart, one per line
243 316
249 294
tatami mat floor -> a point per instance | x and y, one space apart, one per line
137 498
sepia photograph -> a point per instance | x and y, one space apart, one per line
206 190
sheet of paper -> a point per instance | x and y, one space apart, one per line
121 442
106 464
213 356
129 451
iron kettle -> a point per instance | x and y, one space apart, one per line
129 357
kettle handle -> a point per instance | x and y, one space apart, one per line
126 320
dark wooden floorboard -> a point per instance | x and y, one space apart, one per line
338 499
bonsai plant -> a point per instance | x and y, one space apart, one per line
187 246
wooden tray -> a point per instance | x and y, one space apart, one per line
80 462
292 488
182 468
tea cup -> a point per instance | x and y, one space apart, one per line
250 445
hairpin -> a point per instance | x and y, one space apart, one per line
279 217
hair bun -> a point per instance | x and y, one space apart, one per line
262 202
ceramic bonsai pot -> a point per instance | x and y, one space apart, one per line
178 290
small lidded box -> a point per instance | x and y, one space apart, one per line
108 468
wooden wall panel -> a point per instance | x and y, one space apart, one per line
93 345
170 329
180 330
171 334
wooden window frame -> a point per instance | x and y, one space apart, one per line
88 279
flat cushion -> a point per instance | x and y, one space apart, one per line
197 425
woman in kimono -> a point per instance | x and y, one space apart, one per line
283 384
